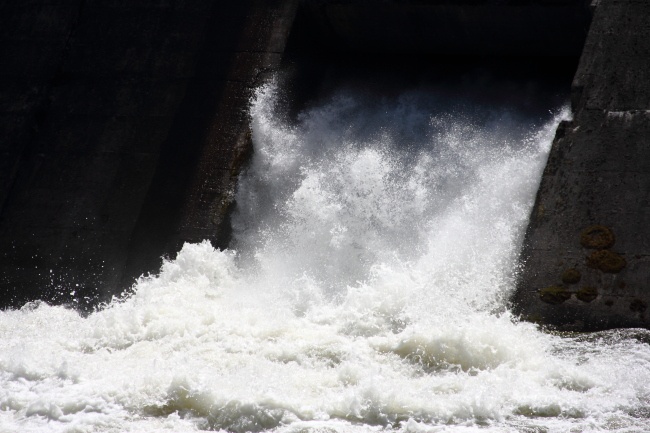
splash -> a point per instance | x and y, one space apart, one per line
375 246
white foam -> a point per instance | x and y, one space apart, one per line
376 244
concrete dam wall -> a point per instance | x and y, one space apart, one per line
123 128
587 246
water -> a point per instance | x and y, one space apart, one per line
375 249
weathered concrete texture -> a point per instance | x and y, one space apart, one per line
592 211
452 27
121 129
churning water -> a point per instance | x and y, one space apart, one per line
375 248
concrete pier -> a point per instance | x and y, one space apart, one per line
587 249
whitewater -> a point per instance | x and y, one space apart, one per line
366 289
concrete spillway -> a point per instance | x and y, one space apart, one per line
123 129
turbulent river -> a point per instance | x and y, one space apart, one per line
375 248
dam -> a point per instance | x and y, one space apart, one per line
124 125
124 128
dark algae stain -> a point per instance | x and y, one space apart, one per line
587 294
554 295
606 261
571 276
597 237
